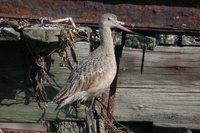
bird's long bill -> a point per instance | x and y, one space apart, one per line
123 28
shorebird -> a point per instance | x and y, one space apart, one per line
94 74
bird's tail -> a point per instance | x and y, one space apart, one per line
78 96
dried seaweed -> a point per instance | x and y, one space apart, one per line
67 39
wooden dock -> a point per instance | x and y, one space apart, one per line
167 93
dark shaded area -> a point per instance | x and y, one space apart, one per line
12 77
11 74
139 127
148 127
185 3
174 130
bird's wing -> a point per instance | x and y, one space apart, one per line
82 77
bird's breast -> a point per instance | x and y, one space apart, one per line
111 71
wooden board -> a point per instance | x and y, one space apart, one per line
168 91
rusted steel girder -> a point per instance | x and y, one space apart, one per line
149 17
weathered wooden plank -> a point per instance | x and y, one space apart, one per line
8 34
23 126
168 92
44 34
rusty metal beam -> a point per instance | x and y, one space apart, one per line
156 16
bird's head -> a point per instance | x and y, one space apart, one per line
110 20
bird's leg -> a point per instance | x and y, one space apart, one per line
91 103
75 106
88 120
90 116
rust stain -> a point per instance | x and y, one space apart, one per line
90 16
41 14
14 10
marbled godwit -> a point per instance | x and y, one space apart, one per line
94 74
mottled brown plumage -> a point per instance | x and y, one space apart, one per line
94 74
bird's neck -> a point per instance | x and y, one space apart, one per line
107 41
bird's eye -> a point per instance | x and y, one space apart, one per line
109 19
